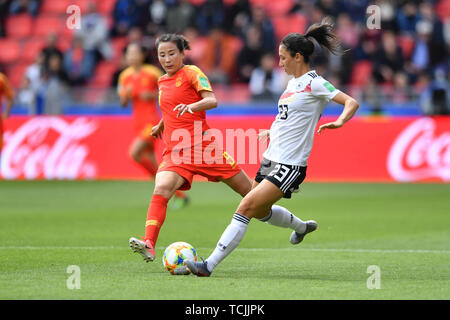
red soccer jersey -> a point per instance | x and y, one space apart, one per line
144 112
183 87
5 90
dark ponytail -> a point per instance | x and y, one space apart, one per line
322 32
179 40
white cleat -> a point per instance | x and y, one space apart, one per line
145 249
296 237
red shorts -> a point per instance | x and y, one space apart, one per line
215 166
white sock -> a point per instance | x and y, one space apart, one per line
282 217
229 240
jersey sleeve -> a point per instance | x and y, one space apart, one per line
323 89
198 79
6 87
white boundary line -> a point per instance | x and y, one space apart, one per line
239 249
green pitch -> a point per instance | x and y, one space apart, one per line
45 227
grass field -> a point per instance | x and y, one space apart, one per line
402 229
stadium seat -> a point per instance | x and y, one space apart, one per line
361 72
287 24
16 74
278 8
119 45
106 6
103 74
54 7
31 48
10 50
19 26
46 24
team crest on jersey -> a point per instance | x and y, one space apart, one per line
178 82
306 89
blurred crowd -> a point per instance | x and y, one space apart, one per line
236 42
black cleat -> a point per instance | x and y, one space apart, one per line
200 269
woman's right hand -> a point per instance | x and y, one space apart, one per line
264 135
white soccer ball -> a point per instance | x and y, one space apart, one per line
175 254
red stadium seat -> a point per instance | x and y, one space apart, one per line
119 45
287 24
46 24
103 74
361 72
10 50
55 7
106 6
278 7
31 49
16 74
19 26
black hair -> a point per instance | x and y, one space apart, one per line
179 40
322 32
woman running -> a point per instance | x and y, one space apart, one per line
283 168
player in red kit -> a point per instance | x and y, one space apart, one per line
139 84
184 96
7 92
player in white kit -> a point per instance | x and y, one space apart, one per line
283 168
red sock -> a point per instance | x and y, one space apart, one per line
148 165
155 217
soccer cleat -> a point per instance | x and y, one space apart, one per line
200 269
296 237
144 248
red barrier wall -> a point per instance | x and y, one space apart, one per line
365 149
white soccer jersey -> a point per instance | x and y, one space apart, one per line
299 111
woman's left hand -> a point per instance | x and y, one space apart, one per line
331 125
182 109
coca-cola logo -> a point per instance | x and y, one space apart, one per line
50 148
418 153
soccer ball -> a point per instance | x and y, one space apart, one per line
175 254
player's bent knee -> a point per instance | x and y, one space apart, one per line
164 190
248 207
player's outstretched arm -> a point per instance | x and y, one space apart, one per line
208 102
350 107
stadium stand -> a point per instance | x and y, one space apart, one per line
26 36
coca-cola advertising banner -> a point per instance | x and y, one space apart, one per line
404 149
